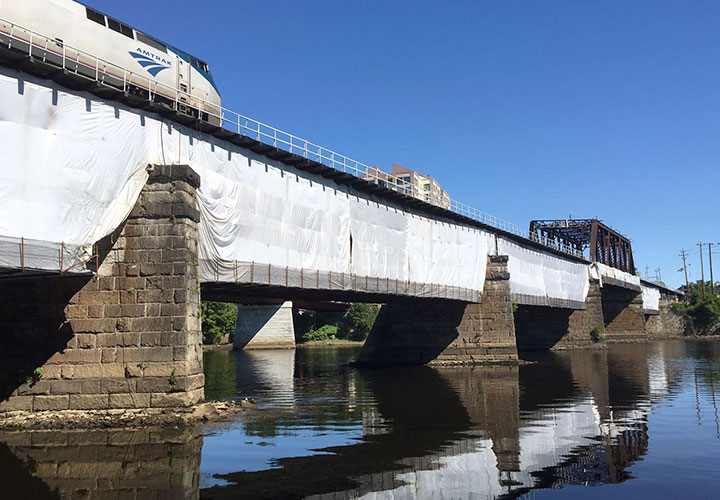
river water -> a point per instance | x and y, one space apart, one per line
636 421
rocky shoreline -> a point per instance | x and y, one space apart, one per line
330 343
108 419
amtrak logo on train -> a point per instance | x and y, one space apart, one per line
152 63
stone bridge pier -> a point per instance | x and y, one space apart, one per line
554 328
623 314
128 337
444 332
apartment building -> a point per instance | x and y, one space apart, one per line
421 186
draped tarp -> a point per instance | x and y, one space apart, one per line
541 278
616 277
651 299
73 166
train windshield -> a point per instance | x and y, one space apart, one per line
201 65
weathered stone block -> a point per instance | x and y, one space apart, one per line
58 402
17 403
158 324
88 401
76 311
110 355
85 341
100 370
140 354
164 399
107 325
75 356
92 297
132 400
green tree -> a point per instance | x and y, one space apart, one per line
703 308
218 319
358 321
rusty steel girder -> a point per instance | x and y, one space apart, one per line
606 245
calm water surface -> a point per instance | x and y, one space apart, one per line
637 421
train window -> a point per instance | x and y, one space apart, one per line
94 15
127 31
120 28
202 66
151 42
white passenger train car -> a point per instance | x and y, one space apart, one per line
102 48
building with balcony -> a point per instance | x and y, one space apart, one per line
411 183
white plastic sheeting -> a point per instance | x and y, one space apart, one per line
255 210
439 252
612 276
379 240
651 298
73 166
71 169
252 211
540 278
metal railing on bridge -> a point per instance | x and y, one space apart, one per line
104 72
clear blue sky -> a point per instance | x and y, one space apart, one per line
523 109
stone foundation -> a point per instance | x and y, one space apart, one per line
158 463
666 324
442 332
543 328
623 314
265 327
126 338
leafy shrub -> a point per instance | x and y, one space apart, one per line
597 334
358 321
218 319
322 333
679 308
703 308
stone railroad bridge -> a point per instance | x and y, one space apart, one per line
114 221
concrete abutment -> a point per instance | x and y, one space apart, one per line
129 337
265 327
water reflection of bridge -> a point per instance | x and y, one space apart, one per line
572 418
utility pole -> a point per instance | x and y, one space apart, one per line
712 281
702 270
647 276
683 254
658 276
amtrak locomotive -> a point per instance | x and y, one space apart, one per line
86 42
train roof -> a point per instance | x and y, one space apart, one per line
181 53
169 46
